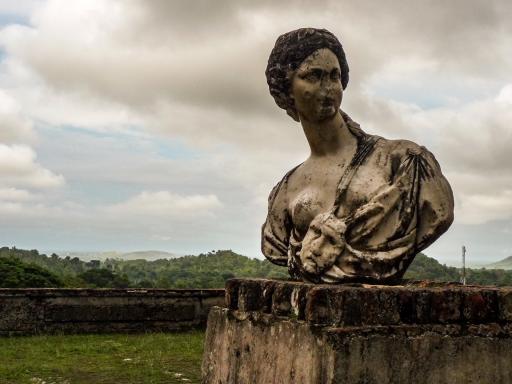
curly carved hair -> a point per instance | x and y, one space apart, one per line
290 50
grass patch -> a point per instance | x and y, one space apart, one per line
151 358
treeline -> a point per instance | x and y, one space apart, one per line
209 270
30 269
19 268
17 274
427 268
203 271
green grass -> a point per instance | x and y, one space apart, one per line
102 359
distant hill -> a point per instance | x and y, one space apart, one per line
102 256
147 255
502 264
86 256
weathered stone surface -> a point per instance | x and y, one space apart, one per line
416 333
360 207
260 350
18 313
428 357
505 304
361 304
31 311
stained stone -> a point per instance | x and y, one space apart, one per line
420 332
360 207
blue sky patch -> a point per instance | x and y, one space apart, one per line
11 18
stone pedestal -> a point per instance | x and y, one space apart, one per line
296 333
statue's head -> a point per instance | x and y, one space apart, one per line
323 243
290 51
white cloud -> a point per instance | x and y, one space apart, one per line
18 168
15 195
19 7
481 209
147 61
505 95
144 207
178 220
166 204
14 128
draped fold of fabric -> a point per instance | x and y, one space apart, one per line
397 220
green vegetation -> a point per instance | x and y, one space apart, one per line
204 271
104 278
102 359
15 273
427 268
66 272
209 270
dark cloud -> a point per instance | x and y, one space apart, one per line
213 54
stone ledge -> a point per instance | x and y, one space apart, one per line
109 292
495 330
40 311
357 305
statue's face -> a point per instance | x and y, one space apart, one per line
323 243
316 86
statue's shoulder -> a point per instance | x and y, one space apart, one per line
400 150
400 147
396 148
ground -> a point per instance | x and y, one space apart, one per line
102 359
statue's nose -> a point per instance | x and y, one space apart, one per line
326 88
316 245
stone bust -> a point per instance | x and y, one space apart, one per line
360 207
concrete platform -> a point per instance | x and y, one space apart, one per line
291 332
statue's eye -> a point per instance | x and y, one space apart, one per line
313 75
316 230
335 74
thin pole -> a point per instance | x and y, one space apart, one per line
463 280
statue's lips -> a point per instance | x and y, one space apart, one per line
327 108
327 102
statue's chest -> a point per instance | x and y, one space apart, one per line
317 194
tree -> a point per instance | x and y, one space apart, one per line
17 274
104 278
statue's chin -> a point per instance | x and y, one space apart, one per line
311 267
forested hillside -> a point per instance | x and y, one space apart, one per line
209 270
15 273
502 264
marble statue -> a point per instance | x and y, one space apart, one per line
360 207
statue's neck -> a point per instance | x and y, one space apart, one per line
328 137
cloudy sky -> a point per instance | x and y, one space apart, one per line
147 124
